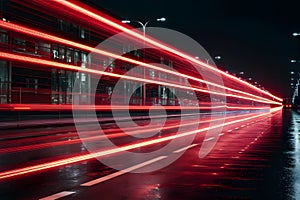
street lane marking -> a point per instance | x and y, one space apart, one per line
119 173
184 148
58 195
209 139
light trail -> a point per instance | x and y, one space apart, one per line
110 134
69 107
39 61
35 33
98 17
76 159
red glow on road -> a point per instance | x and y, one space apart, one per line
76 159
115 133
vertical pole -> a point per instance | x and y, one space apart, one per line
144 68
207 60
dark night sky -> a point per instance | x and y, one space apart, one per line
251 36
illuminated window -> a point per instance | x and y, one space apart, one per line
76 56
54 51
61 53
69 55
82 33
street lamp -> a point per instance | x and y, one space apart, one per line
126 21
296 34
209 59
218 57
295 61
162 19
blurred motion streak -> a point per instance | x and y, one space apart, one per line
80 158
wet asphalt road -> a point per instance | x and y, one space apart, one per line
256 159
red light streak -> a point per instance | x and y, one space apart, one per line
28 59
54 107
76 159
98 17
21 108
46 36
113 134
61 162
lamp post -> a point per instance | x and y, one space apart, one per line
162 19
294 78
209 59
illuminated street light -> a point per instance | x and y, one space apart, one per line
296 34
209 59
126 21
162 19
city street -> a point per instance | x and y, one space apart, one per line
246 162
152 100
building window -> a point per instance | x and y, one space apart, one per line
19 44
3 37
61 53
55 54
82 33
32 83
3 82
58 52
69 55
44 49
